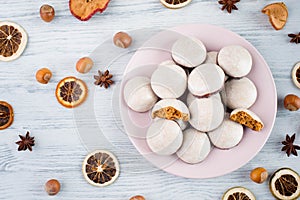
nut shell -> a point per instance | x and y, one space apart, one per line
47 13
259 175
43 75
52 187
122 39
138 197
84 65
292 102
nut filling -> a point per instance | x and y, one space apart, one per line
238 195
10 40
246 119
70 91
170 113
100 168
286 185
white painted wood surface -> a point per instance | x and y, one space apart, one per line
59 152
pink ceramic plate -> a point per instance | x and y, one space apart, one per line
219 162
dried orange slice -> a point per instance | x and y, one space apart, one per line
175 4
278 14
71 92
100 168
6 115
238 193
85 9
13 40
285 184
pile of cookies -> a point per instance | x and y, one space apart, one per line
199 100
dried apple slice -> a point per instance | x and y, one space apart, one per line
278 14
85 9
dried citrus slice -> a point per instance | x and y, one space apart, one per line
238 193
285 184
175 4
278 14
296 75
13 40
100 168
85 9
6 115
71 92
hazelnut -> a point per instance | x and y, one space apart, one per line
47 13
138 197
84 65
43 75
259 175
122 39
292 102
52 187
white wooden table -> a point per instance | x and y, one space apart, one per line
59 151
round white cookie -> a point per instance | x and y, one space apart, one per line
212 57
168 62
174 103
189 52
139 95
195 147
169 81
206 79
191 97
164 137
227 135
235 60
240 93
207 114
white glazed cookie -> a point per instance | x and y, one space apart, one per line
195 147
164 137
212 57
206 79
169 81
171 109
227 135
247 118
168 62
235 60
240 93
139 95
207 114
189 52
191 97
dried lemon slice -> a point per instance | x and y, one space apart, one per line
278 14
100 168
238 193
13 40
71 92
175 4
296 75
6 115
285 184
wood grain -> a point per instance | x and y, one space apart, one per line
59 152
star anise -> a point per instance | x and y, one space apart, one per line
229 5
26 142
295 38
104 79
289 146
